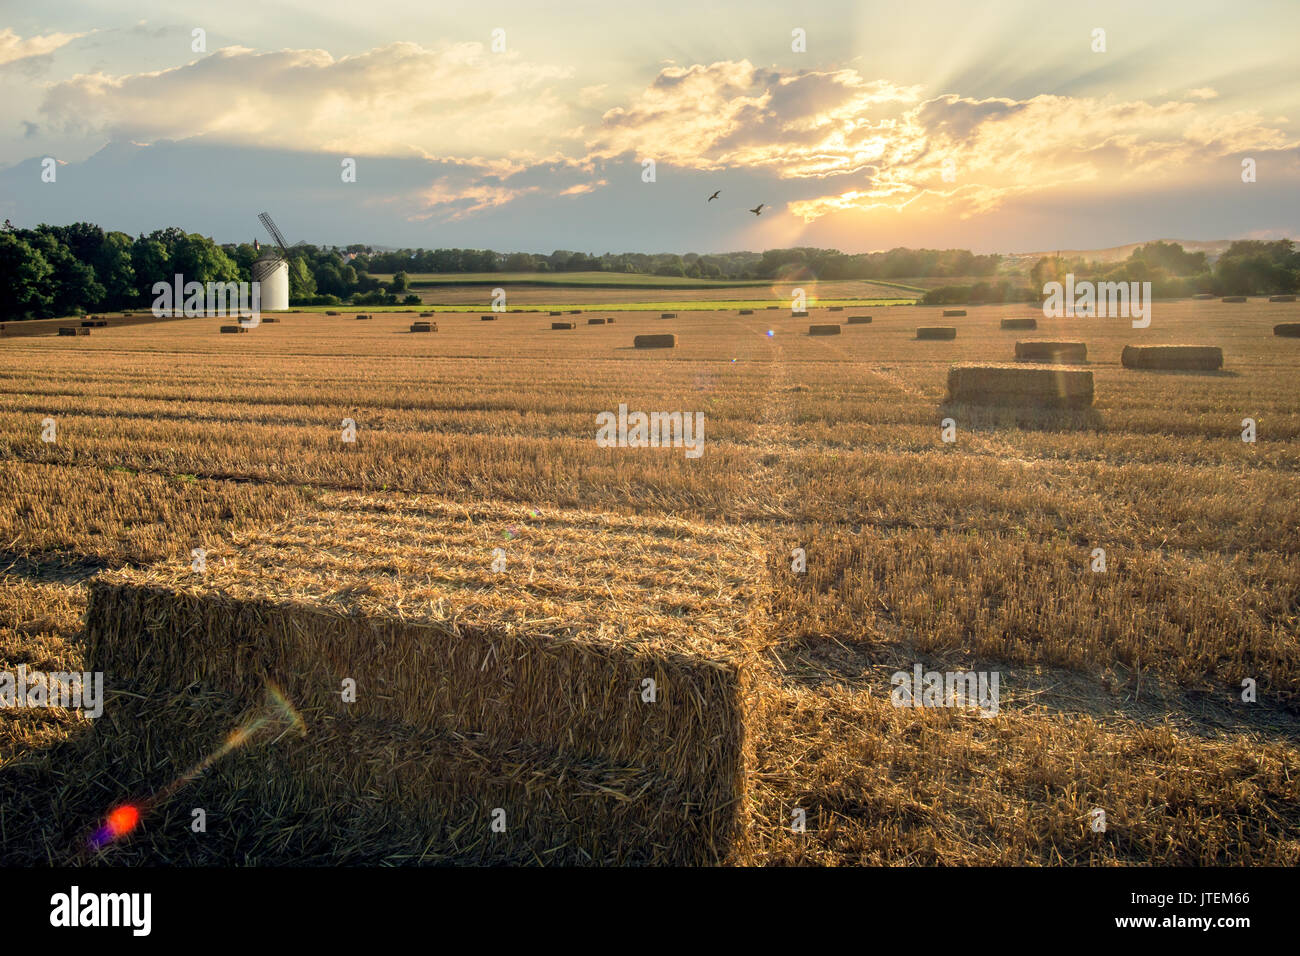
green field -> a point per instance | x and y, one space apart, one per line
612 280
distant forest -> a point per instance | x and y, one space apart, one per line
65 270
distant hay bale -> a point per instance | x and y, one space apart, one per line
72 330
610 320
953 313
426 315
1020 323
595 321
666 340
1281 298
836 308
773 307
1203 296
424 327
1290 330
1054 353
1199 358
746 311
936 332
575 312
859 319
270 318
563 325
1233 298
233 329
363 317
557 313
823 330
798 315
1020 385
667 315
327 312
487 318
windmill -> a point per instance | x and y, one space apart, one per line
271 268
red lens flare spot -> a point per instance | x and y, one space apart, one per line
123 820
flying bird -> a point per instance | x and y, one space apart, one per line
758 210
714 196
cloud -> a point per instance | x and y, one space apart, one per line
732 114
14 48
454 101
878 145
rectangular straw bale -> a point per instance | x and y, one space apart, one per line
1203 296
1281 298
363 317
487 318
1287 329
521 690
746 311
1200 358
859 319
798 315
1020 385
666 340
936 332
823 330
1233 298
667 315
1030 323
557 313
836 308
1061 353
72 330
953 313
233 329
424 326
563 325
595 321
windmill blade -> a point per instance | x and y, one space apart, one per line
270 226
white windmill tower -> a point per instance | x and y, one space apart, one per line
271 269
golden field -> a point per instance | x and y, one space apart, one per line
1121 690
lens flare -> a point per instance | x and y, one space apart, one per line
278 713
118 824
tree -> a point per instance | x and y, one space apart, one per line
399 283
24 275
115 271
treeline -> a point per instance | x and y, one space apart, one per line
63 270
1247 267
772 264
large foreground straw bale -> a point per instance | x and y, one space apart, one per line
1201 358
523 689
1052 352
1288 329
1020 385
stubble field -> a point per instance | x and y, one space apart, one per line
1120 690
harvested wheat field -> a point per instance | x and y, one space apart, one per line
519 689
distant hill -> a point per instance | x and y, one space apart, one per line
1212 248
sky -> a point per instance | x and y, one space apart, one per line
994 126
